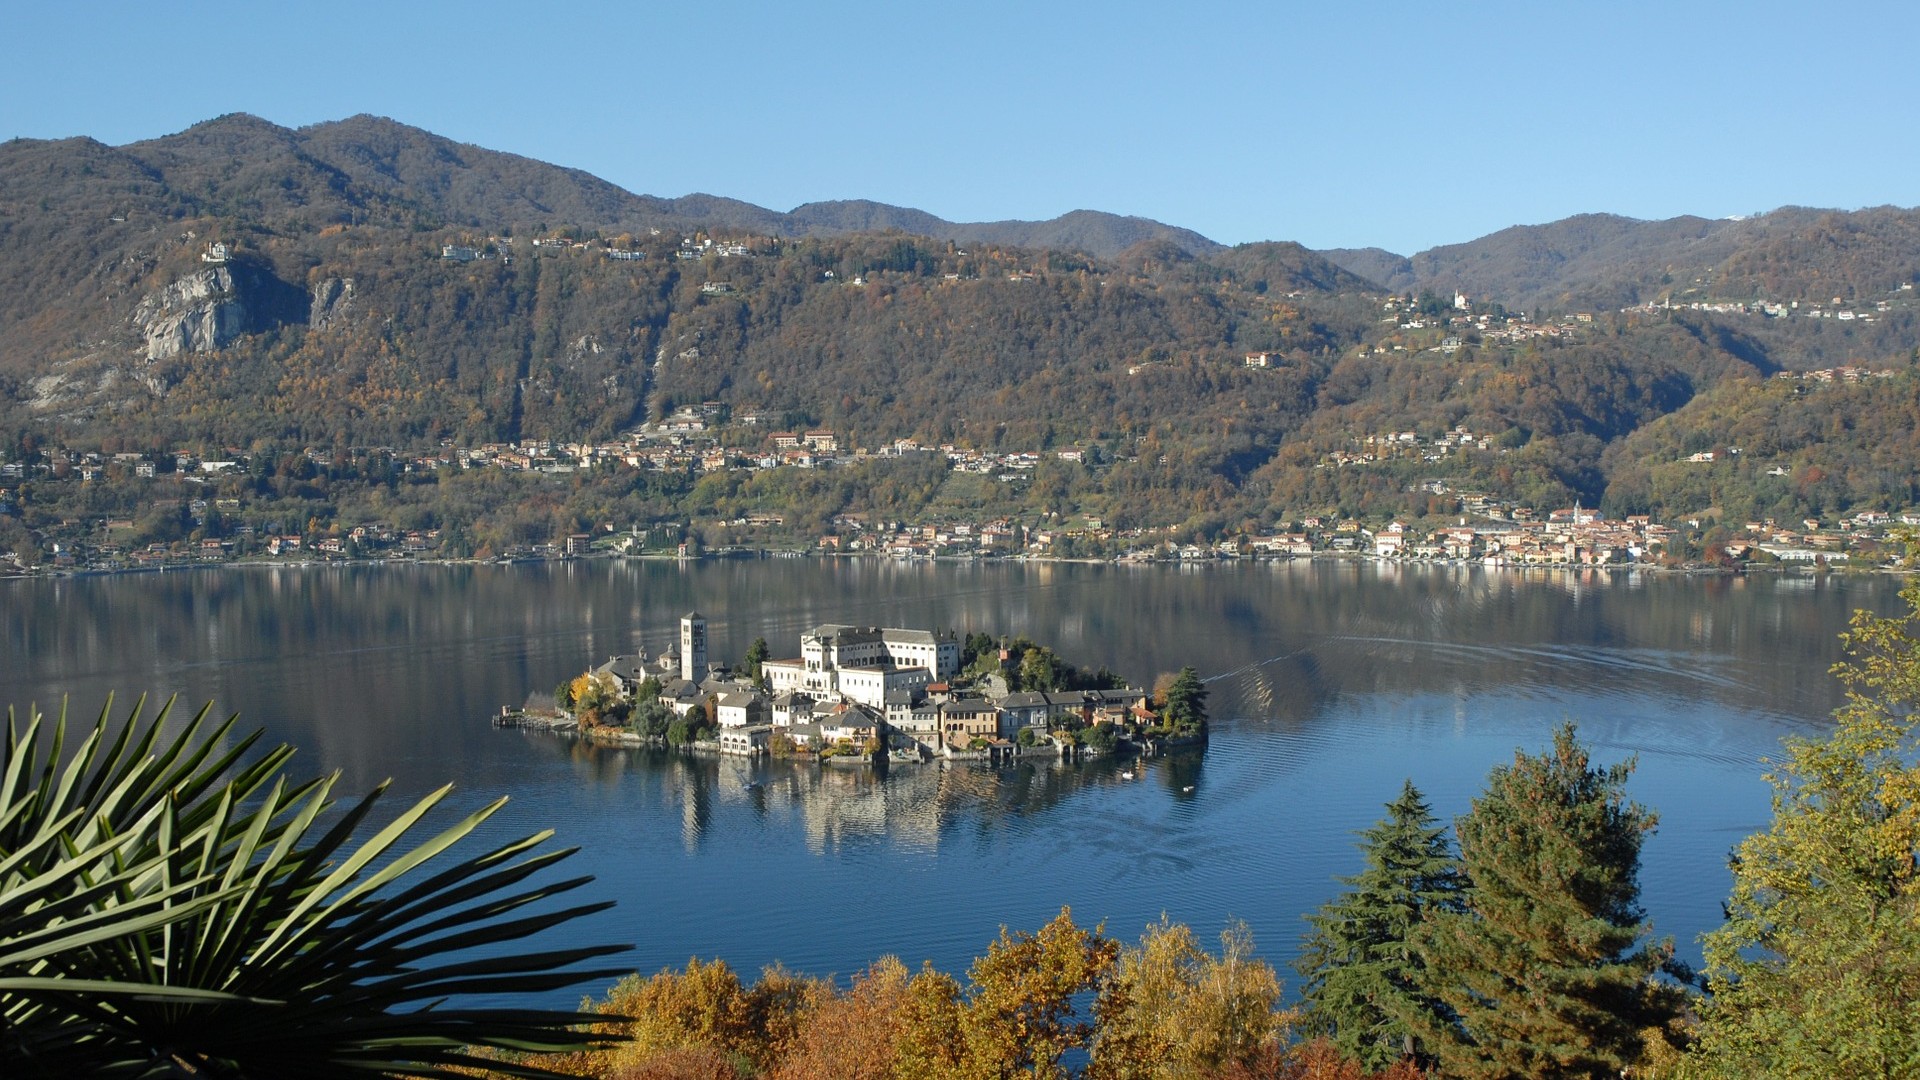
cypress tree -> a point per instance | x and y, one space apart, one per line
1362 979
1545 968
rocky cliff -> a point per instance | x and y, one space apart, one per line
213 307
201 312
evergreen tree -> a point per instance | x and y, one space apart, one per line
1818 967
1545 968
757 654
1186 702
1363 980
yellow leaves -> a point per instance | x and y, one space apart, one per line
1823 926
582 686
1019 1015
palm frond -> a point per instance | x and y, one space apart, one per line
171 901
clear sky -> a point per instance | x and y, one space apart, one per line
1335 124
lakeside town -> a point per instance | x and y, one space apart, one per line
862 694
223 518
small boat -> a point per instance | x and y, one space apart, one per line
1188 790
1128 775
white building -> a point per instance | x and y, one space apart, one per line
870 686
738 710
748 740
866 663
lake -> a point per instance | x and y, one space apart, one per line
1330 682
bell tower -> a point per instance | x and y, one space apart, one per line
693 646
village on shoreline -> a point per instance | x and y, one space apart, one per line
224 519
1568 538
862 695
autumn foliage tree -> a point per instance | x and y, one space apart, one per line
1817 969
1169 1010
596 700
852 1035
1016 1015
1019 1016
688 1016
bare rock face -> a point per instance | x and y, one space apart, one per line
332 300
201 312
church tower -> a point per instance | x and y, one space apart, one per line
693 646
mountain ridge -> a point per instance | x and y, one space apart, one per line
1610 260
367 162
276 292
367 167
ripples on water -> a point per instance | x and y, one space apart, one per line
1330 683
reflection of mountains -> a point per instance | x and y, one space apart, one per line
1286 637
389 671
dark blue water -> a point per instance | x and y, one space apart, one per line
1330 683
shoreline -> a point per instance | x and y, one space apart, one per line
39 573
565 727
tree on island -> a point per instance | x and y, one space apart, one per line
757 654
1817 968
1028 666
1364 983
976 645
1183 703
596 701
680 732
1101 738
651 718
1545 966
1040 670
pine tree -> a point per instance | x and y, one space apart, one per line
1817 969
1363 980
1186 702
1546 969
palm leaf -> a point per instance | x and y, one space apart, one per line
166 905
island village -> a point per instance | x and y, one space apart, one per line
858 694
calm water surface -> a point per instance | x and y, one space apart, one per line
1331 682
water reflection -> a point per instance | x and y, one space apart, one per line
910 809
1330 683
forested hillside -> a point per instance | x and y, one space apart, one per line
1603 260
368 295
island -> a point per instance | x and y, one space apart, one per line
860 694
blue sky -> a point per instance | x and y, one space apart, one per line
1337 125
